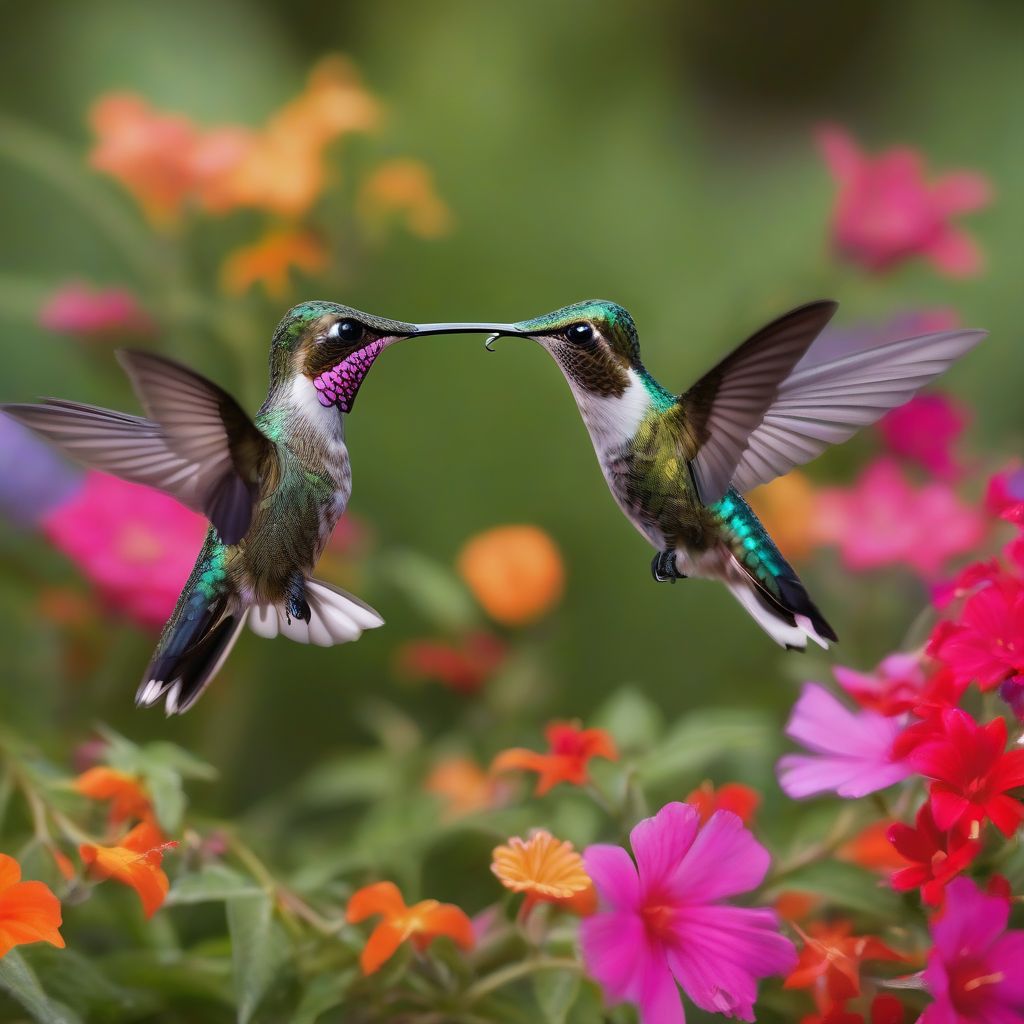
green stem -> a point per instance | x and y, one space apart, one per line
841 831
499 979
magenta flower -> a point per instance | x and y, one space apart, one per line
886 211
924 431
662 920
851 752
974 969
136 544
892 689
94 313
883 520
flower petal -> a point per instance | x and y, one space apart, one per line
10 871
380 947
29 912
378 898
614 945
725 859
447 919
660 843
658 998
614 874
971 922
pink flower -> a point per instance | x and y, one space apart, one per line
974 969
887 212
892 689
851 752
663 920
136 544
924 431
986 645
93 313
883 520
1005 490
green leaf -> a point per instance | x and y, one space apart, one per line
323 994
846 885
432 589
213 883
632 718
21 982
702 738
77 981
353 779
555 992
257 951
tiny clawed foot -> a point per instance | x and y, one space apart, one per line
663 567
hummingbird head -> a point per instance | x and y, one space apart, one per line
333 347
594 342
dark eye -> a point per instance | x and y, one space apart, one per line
347 330
580 334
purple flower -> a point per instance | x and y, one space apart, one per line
34 479
851 752
974 969
662 920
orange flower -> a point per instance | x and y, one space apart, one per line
283 170
741 800
831 959
135 862
570 750
795 905
547 870
463 785
515 572
269 261
405 188
786 506
128 800
871 849
29 911
422 923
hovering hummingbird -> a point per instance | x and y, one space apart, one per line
272 487
678 465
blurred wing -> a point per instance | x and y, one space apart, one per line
728 404
825 403
203 425
130 447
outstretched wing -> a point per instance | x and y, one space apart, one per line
728 404
822 404
198 446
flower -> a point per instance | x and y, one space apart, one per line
515 572
924 430
973 970
1012 691
94 313
29 911
547 870
270 260
986 644
851 752
405 188
663 919
34 479
971 773
135 862
127 797
422 923
1004 490
733 796
884 1010
786 507
871 849
464 786
831 959
136 544
570 750
892 689
936 856
883 520
463 666
887 212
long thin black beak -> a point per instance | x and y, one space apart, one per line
465 328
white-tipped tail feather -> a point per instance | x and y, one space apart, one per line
336 617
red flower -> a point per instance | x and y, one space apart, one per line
570 751
971 773
884 1010
924 430
464 666
741 800
987 644
936 856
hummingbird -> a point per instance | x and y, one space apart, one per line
273 487
678 465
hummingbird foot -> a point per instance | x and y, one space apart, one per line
297 606
663 567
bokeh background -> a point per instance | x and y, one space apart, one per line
660 154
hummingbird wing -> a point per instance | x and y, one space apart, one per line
824 403
728 403
204 426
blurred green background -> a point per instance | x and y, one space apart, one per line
656 153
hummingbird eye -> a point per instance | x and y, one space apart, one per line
580 334
347 330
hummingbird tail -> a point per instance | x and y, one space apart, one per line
195 644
